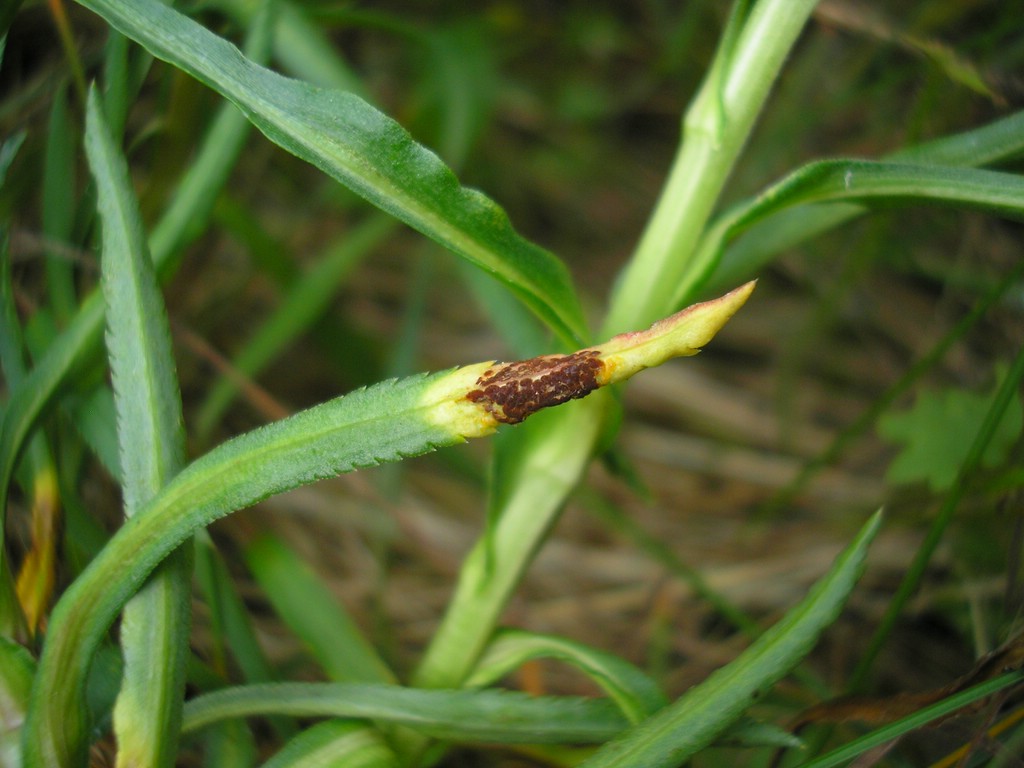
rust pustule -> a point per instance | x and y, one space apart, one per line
512 391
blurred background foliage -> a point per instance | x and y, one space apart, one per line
568 115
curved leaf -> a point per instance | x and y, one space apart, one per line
675 733
335 743
842 182
365 150
636 694
998 141
367 427
503 717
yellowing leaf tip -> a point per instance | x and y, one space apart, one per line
471 401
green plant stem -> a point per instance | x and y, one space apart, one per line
714 131
557 458
915 573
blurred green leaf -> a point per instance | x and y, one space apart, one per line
58 191
748 251
495 716
635 693
841 182
944 708
17 669
932 433
340 743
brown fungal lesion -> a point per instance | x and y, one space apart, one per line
512 391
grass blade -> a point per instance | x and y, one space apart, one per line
922 717
842 182
998 141
675 733
503 717
231 625
1008 390
634 692
335 742
363 149
59 206
155 625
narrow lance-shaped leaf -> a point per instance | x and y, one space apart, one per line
636 695
155 627
484 715
386 422
672 735
843 182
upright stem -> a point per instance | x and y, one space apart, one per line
715 128
557 457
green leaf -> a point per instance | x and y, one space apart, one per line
764 240
150 429
636 694
692 722
155 626
17 668
335 743
362 148
494 716
76 345
230 746
932 434
59 206
863 181
231 625
747 732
